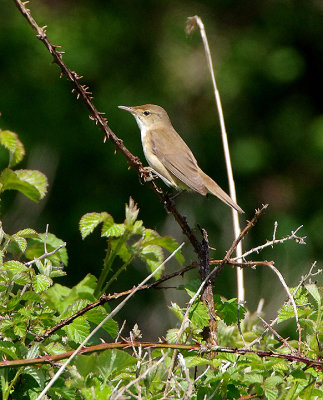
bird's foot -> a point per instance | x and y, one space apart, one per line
148 174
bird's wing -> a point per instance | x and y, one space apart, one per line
180 163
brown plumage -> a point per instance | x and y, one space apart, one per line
170 157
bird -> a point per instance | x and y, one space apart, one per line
170 157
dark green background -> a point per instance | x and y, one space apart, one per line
268 60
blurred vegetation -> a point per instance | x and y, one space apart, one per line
268 58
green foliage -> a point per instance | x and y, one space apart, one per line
127 241
31 183
32 303
40 319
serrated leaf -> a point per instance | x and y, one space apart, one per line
172 335
21 242
9 349
78 330
27 233
41 283
122 251
11 142
286 312
32 296
35 178
168 243
15 267
32 184
273 381
90 221
110 361
199 315
196 361
177 311
74 308
21 279
96 316
138 228
250 379
20 329
228 310
313 290
153 257
37 374
35 248
114 230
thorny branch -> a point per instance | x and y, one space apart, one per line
96 116
201 349
155 285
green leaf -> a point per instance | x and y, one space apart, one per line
153 257
41 283
270 387
199 315
20 329
36 248
74 308
114 230
27 233
11 142
15 267
35 178
97 315
37 374
313 290
228 310
170 244
196 361
9 349
31 296
32 184
250 379
177 311
286 312
21 242
114 361
172 335
78 330
90 221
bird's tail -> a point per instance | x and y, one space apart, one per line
215 189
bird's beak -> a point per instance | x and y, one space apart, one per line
130 109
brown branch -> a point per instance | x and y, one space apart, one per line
154 285
96 116
243 233
274 332
200 349
207 294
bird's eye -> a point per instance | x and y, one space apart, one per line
146 112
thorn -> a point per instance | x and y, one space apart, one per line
115 151
60 76
78 96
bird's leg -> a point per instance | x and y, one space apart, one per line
148 174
